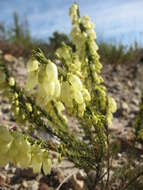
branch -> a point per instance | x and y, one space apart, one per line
66 179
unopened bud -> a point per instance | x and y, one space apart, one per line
29 107
11 81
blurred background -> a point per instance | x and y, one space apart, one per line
46 23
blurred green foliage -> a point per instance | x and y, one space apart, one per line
19 37
19 33
119 54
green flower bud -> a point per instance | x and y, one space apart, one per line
15 95
29 107
16 102
17 110
11 81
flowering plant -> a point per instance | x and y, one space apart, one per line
52 94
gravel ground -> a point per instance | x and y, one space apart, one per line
124 83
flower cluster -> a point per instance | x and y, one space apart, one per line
74 94
45 77
70 61
83 37
73 13
15 148
48 84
